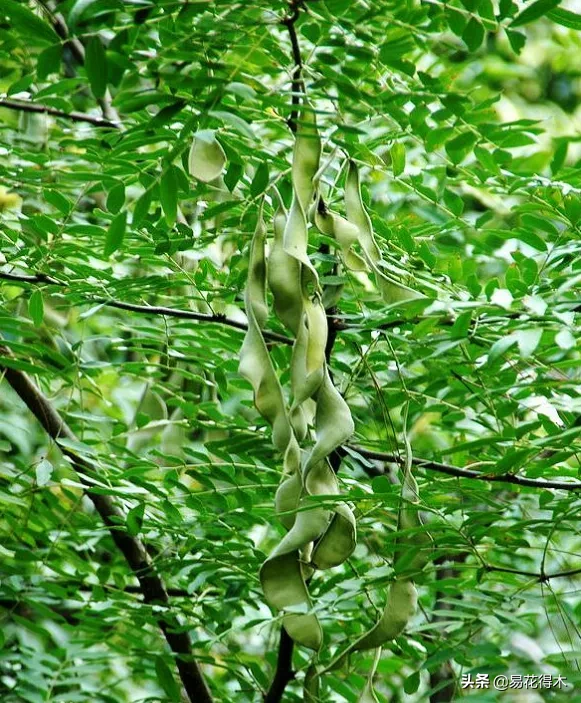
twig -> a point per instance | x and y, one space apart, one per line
146 309
29 106
297 83
284 673
150 583
469 473
78 50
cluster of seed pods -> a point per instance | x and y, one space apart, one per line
316 420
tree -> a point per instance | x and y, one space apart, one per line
319 242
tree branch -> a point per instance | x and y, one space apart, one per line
29 106
275 337
150 583
469 473
146 309
298 87
284 673
78 51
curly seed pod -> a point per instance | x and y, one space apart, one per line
317 537
392 291
284 276
306 158
255 363
344 232
308 356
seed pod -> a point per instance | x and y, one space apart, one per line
306 158
317 537
283 580
344 232
284 277
206 159
308 357
255 363
402 603
392 291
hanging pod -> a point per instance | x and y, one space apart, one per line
206 159
306 157
308 355
344 232
392 291
333 426
318 537
255 363
402 596
284 276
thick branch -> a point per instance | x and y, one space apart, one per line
133 550
29 106
469 473
284 672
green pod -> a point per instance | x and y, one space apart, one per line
339 540
333 423
308 356
299 422
287 500
284 277
206 159
413 548
402 603
255 363
344 232
283 579
306 158
357 214
296 236
392 291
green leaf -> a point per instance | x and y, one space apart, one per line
459 147
96 66
49 61
168 195
517 40
25 21
412 683
166 679
534 11
260 181
565 18
36 307
501 346
235 121
116 198
141 208
528 341
461 325
473 35
84 9
134 519
397 153
58 201
115 234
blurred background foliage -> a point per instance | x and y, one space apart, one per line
465 120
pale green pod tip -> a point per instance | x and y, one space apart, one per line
207 158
